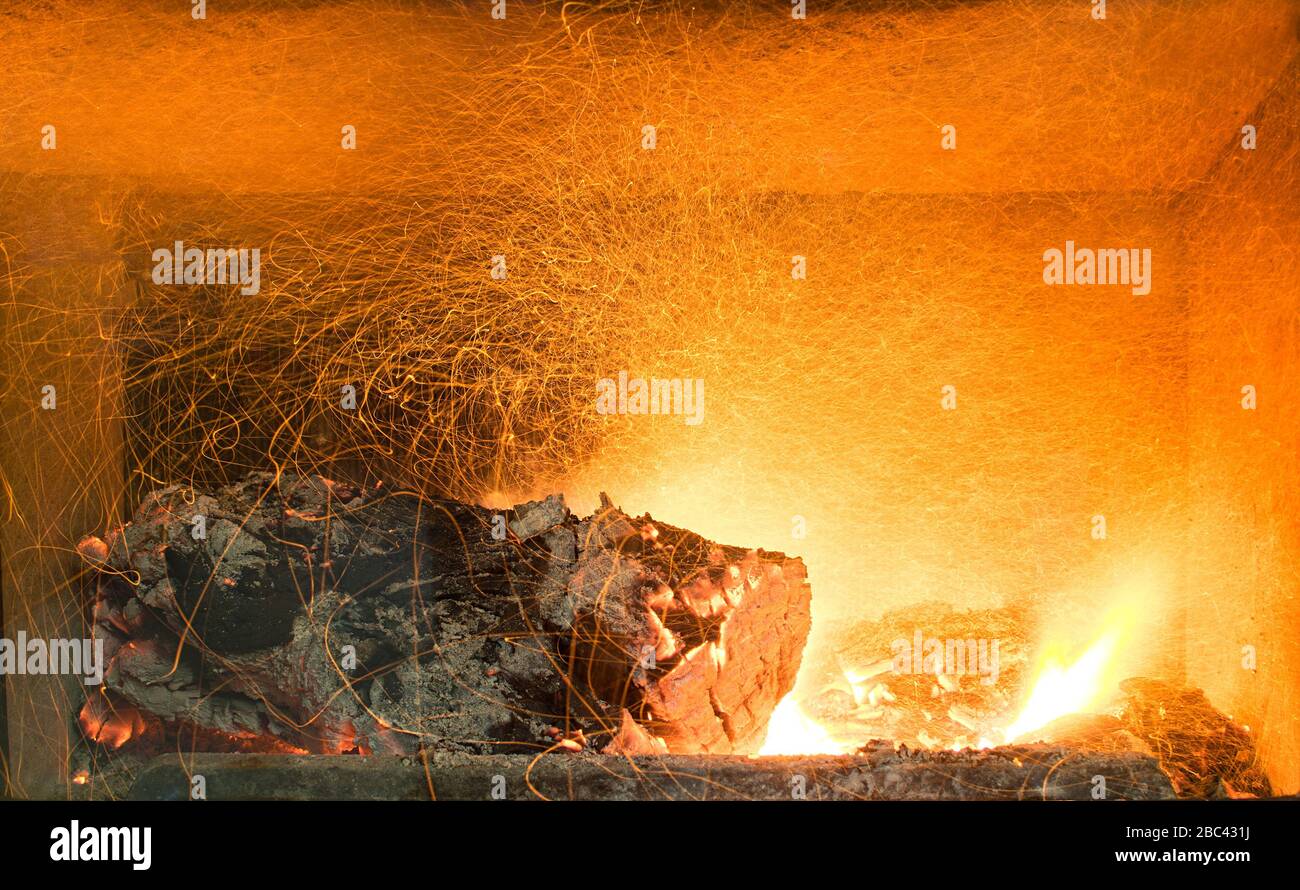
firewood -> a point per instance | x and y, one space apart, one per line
299 614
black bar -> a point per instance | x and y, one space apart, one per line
508 843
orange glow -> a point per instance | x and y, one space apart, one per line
824 433
1073 687
109 724
791 731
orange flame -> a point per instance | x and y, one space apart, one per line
1076 687
791 731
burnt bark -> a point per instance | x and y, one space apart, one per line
302 615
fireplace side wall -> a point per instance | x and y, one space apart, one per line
62 468
1244 475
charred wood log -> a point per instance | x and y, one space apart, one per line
1022 772
301 615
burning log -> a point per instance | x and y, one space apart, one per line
298 614
1204 752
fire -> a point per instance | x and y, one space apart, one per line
1067 681
1077 687
791 731
111 725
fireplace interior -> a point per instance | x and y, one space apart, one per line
972 332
